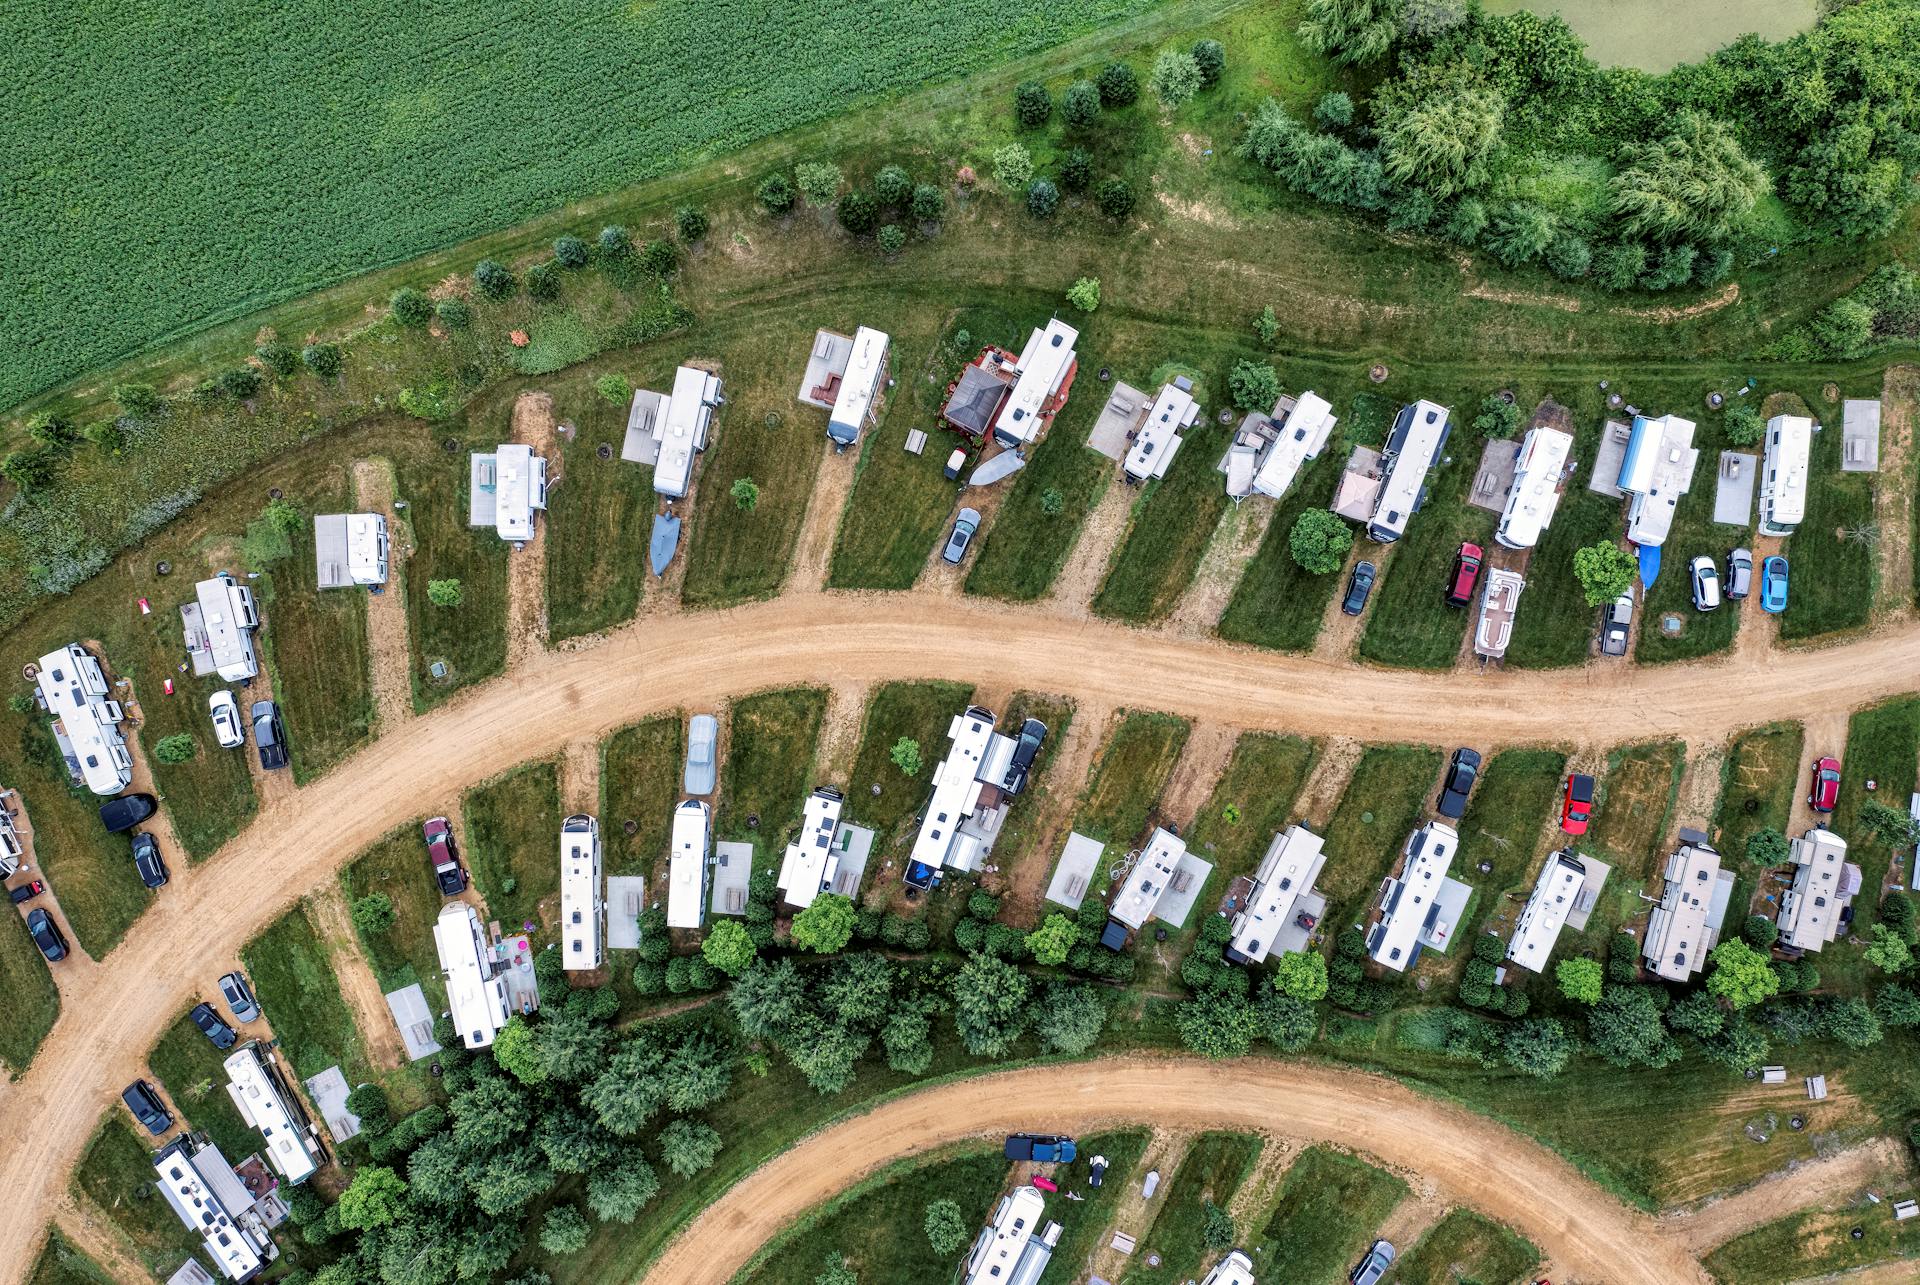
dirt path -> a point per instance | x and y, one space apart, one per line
1893 491
527 567
94 1234
840 735
1086 569
1799 1186
1467 1158
390 664
1234 543
813 552
160 824
1339 634
1332 769
1133 1213
1262 1187
1063 775
1200 766
580 777
1823 734
330 918
1699 793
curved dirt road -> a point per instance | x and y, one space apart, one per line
1585 1233
114 1011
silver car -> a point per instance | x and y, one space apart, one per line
239 997
703 732
1616 625
963 528
1374 1265
1739 574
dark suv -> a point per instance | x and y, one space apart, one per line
211 1026
1462 772
126 812
147 1107
269 735
1032 734
47 935
147 860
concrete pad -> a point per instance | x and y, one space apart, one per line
1733 490
415 1020
732 867
1860 436
858 844
328 1093
523 991
1494 478
1605 477
626 898
1126 407
639 446
1073 875
1588 894
1183 889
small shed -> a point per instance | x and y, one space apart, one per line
1817 1088
1905 1209
1773 1075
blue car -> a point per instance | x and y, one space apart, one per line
1773 584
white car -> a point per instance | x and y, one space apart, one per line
227 727
1706 584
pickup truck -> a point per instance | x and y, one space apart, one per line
446 866
1041 1148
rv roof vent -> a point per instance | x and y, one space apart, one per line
1057 339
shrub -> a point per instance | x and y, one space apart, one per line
240 383
494 279
1175 77
455 313
891 239
104 434
1052 502
1266 327
29 469
892 185
818 181
1579 980
1569 256
444 593
1605 570
946 1228
177 748
690 222
1211 59
1118 85
410 307
614 389
982 905
1012 165
373 914
1619 267
571 252
1767 847
614 242
859 212
1760 932
281 359
1743 425
1084 294
659 258
1114 196
1043 198
543 282
746 494
928 203
322 359
1080 105
1076 170
775 194
1032 104
1319 541
1334 110
906 756
1255 385
1498 417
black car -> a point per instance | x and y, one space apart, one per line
47 935
1462 772
269 735
1032 734
147 1107
1359 585
222 1035
127 811
146 859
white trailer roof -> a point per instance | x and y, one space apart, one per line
1406 901
1783 478
349 549
811 861
1299 439
1419 434
687 865
1286 874
1005 1246
1134 904
262 1103
75 690
227 619
681 429
505 487
1044 364
1235 1269
1656 471
1157 440
956 785
1546 911
859 385
238 1251
1686 923
1536 487
582 899
1823 886
477 998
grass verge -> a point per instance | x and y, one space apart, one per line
513 841
33 1001
600 516
116 1174
471 639
1464 1246
1517 794
404 954
1813 1243
919 712
769 767
1330 1205
1883 746
640 780
1279 603
195 1077
300 996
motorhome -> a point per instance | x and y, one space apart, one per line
582 896
1783 477
1537 474
1415 445
811 860
687 865
86 725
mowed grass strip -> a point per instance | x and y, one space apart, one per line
1554 626
1813 1243
1173 521
116 1174
1132 771
599 517
1262 780
33 1002
1833 556
920 712
1026 546
513 842
1330 1206
1518 793
1083 1223
62 1263
1410 623
397 866
1383 801
194 1074
1464 1246
1883 746
471 639
769 769
641 772
1210 1173
1757 785
1279 603
299 994
1634 800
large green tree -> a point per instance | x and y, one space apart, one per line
1695 184
1439 134
1351 32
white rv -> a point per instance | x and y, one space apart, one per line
265 1102
811 860
200 1186
476 996
582 902
1046 366
1140 895
1783 478
1536 487
87 720
218 626
963 817
1546 911
1298 438
1013 1249
680 429
349 549
1282 896
1824 886
1158 438
860 387
687 865
1685 925
506 487
1656 471
1419 436
1421 906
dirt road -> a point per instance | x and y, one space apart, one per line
1586 1234
1836 1177
112 1013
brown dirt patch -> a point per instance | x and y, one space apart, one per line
1800 1185
328 913
1086 567
1892 491
813 552
1727 294
1202 763
1332 769
1022 880
533 424
1233 545
580 777
389 659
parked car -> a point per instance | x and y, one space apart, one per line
1096 1171
269 735
147 860
239 997
703 734
26 892
1739 574
1374 1265
225 712
1615 625
1465 573
1706 584
1033 734
1824 795
963 528
47 935
211 1026
1773 585
1462 772
1359 587
1041 1148
147 1107
127 811
1576 804
441 856
955 462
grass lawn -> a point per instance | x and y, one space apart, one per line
1382 804
1084 1222
60 1263
192 1072
1032 815
918 712
877 1225
1410 622
471 639
1126 784
1173 520
641 772
116 1173
1694 533
1554 625
1757 789
1211 1171
1813 1243
33 1002
513 841
1330 1206
1832 575
1464 1246
769 767
600 516
1278 603
1882 745
294 980
1518 793
1262 780
404 954
1633 804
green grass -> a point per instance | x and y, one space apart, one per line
1211 1172
1518 793
116 1173
1633 805
599 517
1554 625
1083 1223
1409 622
919 712
33 1002
192 1072
1834 576
1278 603
1262 780
294 980
1694 533
397 866
471 639
1382 803
1813 1243
1883 745
1173 520
60 1263
769 767
1464 1246
513 842
641 772
1132 771
1026 547
1758 785
1330 1206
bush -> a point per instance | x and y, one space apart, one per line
1334 110
1569 256
905 755
1498 417
178 748
1076 169
1211 59
970 935
983 905
1084 294
571 252
281 359
614 242
818 181
1743 425
929 202
373 914
455 313
892 186
1255 385
1760 932
1619 267
947 1229
859 213
1043 198
322 359
690 222
1118 85
614 389
1175 78
1032 104
1012 165
543 282
1080 105
892 239
1319 541
410 307
659 258
775 194
494 279
1767 847
1115 198
240 383
444 593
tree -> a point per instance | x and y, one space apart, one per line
1080 105
322 359
946 1228
1115 198
892 239
1569 256
570 1044
571 252
1892 826
1844 328
768 999
1498 417
1626 1030
614 389
892 186
543 282
688 1146
690 222
1694 184
859 212
1334 110
373 914
837 1272
1539 1047
1012 165
775 194
818 181
905 755
239 383
1288 1023
728 947
178 748
564 1231
908 1039
1743 425
1319 541
746 494
1255 385
1741 975
1217 1231
1032 104
1767 847
1266 327
377 1198
1118 85
1699 1015
1302 975
1760 932
1043 198
410 307
514 1049
1217 1024
1521 233
455 313
1851 1021
859 990
1605 571
28 469
928 203
1069 1018
990 1005
826 925
1889 951
1084 294
494 279
617 1191
1350 32
655 944
1439 138
1579 980
1076 169
281 359
1175 77
444 593
1211 59
1053 940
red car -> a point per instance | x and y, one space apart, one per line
1576 804
1825 794
1466 571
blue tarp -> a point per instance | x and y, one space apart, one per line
665 541
1649 564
